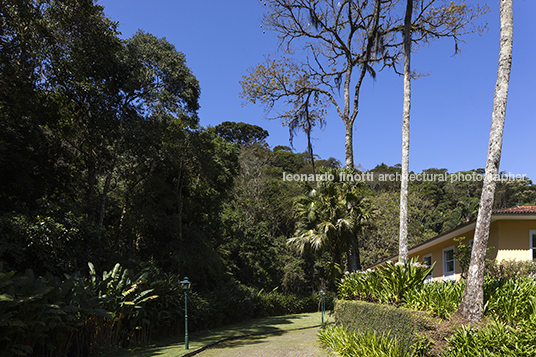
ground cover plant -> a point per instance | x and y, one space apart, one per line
510 312
348 344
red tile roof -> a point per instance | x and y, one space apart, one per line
516 210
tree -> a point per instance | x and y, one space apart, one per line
328 219
241 133
59 70
173 215
342 41
403 233
471 306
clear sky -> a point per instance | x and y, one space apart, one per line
451 108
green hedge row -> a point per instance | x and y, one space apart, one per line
399 323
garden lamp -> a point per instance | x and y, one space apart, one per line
185 284
322 303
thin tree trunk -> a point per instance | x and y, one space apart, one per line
107 183
348 144
91 178
403 238
354 260
471 306
104 196
347 118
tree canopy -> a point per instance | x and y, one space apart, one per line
341 42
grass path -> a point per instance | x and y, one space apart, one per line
260 332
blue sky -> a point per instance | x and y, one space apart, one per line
451 108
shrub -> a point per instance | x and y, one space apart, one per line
440 298
512 301
349 344
398 322
494 340
386 284
511 269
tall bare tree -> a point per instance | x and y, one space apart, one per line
403 232
339 42
471 306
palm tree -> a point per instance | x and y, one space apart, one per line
328 219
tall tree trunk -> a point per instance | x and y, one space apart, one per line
91 179
354 260
348 143
104 197
471 306
403 233
106 188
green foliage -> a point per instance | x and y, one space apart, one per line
103 160
389 283
422 345
440 298
369 344
45 315
462 254
512 301
511 269
494 339
329 218
401 324
511 304
240 133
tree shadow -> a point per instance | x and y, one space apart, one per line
240 334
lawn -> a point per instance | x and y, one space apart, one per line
175 346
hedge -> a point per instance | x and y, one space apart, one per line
399 323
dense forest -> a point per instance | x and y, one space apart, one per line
103 160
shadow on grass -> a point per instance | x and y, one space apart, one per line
243 341
247 332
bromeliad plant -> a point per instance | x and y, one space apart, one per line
386 284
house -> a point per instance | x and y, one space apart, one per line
512 236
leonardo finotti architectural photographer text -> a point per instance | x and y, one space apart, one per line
371 176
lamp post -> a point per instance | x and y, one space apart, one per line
322 303
185 284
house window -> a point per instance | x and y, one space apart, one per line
533 245
448 262
427 260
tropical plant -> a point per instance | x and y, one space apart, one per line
328 219
349 344
389 283
440 298
496 339
512 301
